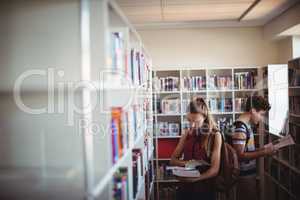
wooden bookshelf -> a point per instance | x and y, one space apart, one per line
283 170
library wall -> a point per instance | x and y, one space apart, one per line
296 46
285 49
224 47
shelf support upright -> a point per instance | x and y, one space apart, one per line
86 96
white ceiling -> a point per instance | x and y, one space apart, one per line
160 12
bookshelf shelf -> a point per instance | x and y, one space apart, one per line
109 174
168 137
167 92
162 159
294 115
222 113
280 185
167 181
220 90
167 115
194 91
246 90
287 164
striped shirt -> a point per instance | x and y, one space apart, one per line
246 167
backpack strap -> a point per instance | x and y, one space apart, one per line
247 130
210 142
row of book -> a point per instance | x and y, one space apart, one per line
240 104
133 63
121 184
294 130
245 80
219 82
169 83
167 129
294 72
119 133
220 104
142 174
294 77
118 51
126 126
149 178
194 83
137 170
294 105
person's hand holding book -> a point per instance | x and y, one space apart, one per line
270 149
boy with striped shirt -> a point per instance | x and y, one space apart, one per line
244 144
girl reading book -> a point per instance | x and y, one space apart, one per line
201 141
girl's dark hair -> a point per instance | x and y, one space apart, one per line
258 103
199 106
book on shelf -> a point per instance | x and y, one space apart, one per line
164 172
194 83
135 65
240 104
216 82
170 105
294 105
169 83
116 133
294 72
245 80
167 129
117 58
220 104
137 170
139 68
126 127
121 184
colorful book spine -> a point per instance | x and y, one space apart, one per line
168 129
137 169
240 104
194 83
219 82
117 51
139 68
169 83
220 104
245 80
117 137
120 185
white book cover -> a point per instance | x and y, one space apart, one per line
186 173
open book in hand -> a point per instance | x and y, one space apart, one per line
282 142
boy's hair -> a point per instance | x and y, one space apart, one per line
258 103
